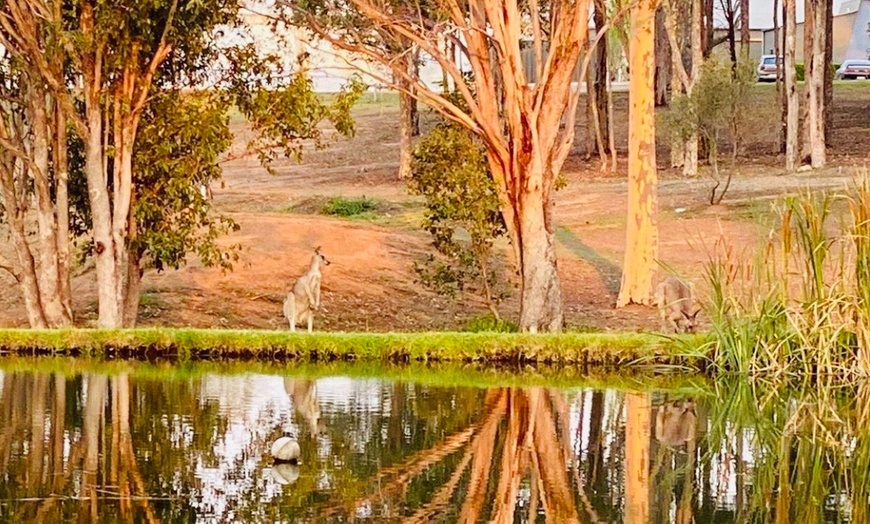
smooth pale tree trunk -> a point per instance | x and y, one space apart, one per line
98 196
637 458
641 247
791 95
809 37
25 266
61 168
780 98
48 271
815 86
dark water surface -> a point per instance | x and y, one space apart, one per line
122 445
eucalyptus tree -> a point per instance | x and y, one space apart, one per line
113 74
526 129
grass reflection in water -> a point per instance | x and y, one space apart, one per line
114 444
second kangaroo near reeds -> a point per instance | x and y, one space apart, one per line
676 305
304 299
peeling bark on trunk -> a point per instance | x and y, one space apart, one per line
641 247
541 305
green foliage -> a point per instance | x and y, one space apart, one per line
286 117
349 207
800 72
180 141
450 171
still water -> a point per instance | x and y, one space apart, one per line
115 444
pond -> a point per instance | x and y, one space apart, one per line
91 443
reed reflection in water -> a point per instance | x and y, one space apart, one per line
127 448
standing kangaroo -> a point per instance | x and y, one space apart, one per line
676 305
304 298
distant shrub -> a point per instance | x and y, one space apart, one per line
800 72
489 324
349 207
450 172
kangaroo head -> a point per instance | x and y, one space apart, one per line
689 322
321 256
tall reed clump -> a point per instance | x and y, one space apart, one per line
800 307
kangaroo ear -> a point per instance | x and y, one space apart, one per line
317 250
695 314
688 316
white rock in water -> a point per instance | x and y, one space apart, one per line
285 473
285 449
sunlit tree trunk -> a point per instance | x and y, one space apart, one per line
791 95
637 458
641 247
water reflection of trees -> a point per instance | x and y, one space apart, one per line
99 448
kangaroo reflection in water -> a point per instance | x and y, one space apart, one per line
675 423
303 392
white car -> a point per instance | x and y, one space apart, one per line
851 69
767 68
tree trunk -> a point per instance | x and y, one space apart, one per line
641 247
98 197
61 169
744 29
131 290
47 271
600 83
25 268
406 132
791 96
541 295
637 458
809 37
829 72
708 28
780 99
663 61
816 86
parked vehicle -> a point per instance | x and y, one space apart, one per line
851 69
767 68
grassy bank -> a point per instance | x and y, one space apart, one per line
609 350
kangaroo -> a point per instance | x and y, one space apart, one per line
675 423
676 305
304 299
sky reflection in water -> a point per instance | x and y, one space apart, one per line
131 448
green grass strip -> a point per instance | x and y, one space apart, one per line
614 350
